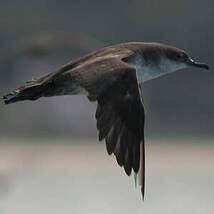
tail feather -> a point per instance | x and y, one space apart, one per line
31 90
46 86
7 98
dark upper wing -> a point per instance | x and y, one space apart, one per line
86 64
94 72
120 121
100 72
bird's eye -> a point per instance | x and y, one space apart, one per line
178 56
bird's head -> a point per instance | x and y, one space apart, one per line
180 59
168 59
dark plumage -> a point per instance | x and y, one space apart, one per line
113 77
120 121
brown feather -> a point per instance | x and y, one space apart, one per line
124 137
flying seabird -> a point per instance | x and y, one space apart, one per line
113 76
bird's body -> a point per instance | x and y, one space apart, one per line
113 76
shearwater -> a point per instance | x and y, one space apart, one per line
113 77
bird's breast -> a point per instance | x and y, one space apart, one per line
144 71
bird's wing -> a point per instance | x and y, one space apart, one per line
87 71
85 63
120 121
120 112
101 71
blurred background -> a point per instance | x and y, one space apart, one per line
50 158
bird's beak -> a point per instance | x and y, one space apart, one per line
191 62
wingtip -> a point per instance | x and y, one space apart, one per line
143 193
135 180
142 170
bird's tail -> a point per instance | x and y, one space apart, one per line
31 90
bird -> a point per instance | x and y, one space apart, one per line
113 77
